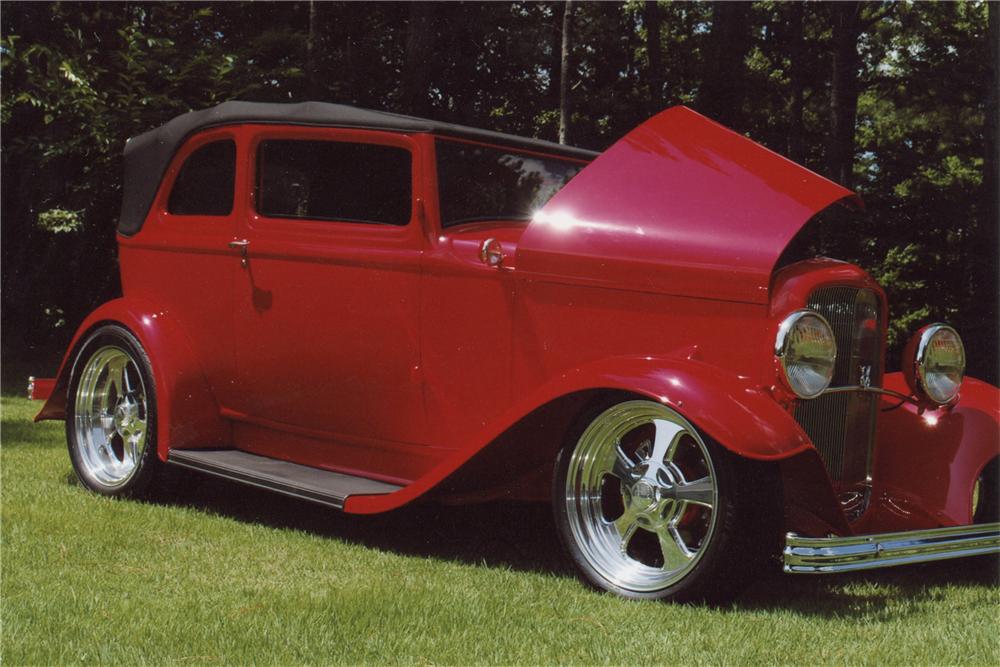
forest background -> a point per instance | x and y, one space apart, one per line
895 100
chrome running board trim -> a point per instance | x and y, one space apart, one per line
824 555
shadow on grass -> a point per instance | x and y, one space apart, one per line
522 537
519 536
15 432
878 595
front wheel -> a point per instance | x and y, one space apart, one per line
111 415
649 509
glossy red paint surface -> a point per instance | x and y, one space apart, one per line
681 205
39 389
395 353
326 331
927 461
188 413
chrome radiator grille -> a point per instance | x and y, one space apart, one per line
842 425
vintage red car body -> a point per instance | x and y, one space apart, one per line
397 354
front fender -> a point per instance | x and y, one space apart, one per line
926 462
742 418
187 412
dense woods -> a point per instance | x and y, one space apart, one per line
896 100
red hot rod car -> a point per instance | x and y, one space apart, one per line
365 310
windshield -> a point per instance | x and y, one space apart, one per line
477 183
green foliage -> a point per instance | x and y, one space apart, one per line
900 272
60 221
80 78
919 140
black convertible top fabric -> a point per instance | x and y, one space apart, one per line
148 155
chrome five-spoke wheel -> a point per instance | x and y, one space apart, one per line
642 500
110 401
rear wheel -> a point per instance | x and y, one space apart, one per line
111 414
648 508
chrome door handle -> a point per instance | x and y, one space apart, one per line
240 244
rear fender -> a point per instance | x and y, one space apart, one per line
187 412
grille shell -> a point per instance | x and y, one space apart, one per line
842 425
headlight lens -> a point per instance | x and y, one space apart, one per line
807 351
939 363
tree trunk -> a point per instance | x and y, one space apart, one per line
311 78
797 83
653 18
844 91
991 132
554 65
722 91
608 73
419 56
565 67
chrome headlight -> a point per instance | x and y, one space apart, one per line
807 351
938 363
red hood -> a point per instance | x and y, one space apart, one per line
680 205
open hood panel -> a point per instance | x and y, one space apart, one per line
680 205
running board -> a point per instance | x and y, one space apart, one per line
291 479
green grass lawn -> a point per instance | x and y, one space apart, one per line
233 575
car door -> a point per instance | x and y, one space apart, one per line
327 336
485 195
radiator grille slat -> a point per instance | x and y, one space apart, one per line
842 425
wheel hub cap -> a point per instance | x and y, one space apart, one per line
125 415
652 499
643 495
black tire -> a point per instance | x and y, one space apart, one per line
732 541
119 469
987 506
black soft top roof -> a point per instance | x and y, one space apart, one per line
148 155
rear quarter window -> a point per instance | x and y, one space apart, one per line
205 183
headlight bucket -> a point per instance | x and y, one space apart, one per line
807 352
934 363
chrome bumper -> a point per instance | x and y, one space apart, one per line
823 555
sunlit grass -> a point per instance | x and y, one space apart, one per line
233 575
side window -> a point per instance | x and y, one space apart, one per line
204 185
477 183
333 180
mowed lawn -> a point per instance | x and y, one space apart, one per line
232 575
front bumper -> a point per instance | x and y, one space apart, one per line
824 555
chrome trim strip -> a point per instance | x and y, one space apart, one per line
871 390
824 555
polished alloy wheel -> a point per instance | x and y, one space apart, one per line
640 496
110 417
